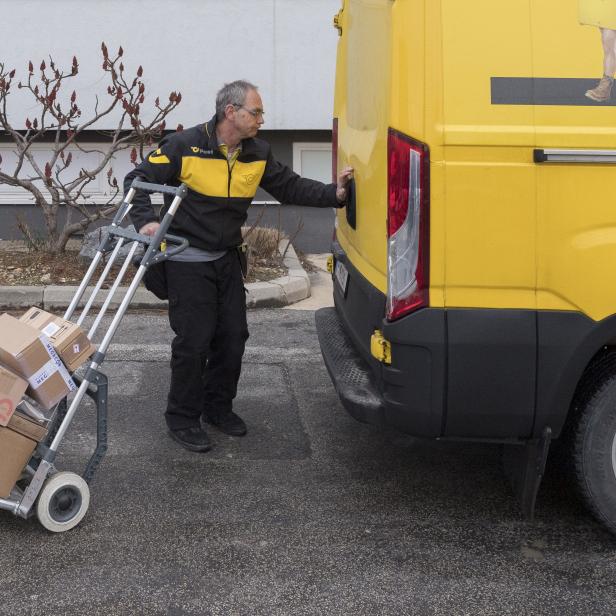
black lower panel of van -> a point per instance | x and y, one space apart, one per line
350 374
463 373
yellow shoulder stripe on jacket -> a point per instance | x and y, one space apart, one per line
208 176
158 158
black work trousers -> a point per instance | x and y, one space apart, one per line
207 312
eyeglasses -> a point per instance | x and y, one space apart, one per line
255 113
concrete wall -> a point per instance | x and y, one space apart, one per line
286 47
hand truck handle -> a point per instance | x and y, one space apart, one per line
176 191
179 244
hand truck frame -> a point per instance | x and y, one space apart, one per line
62 498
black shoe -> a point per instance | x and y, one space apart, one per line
229 423
193 439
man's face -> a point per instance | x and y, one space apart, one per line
248 118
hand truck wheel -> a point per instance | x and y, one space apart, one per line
63 502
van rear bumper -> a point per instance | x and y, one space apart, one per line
350 374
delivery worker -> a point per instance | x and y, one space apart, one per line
602 14
222 163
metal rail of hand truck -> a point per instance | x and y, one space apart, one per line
62 498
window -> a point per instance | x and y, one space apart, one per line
313 160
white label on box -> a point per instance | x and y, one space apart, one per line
58 363
76 349
50 329
38 378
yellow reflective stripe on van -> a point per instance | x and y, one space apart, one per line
158 158
207 176
246 178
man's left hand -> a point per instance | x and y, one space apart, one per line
343 179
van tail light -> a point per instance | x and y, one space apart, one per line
408 230
335 150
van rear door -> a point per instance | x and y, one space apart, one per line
361 107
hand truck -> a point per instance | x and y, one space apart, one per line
61 499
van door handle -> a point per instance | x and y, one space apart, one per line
601 157
351 208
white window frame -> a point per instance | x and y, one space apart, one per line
304 146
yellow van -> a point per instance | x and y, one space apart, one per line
475 265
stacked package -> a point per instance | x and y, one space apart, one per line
37 353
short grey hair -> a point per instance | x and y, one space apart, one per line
233 93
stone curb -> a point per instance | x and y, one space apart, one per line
293 287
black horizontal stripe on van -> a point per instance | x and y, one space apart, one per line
545 91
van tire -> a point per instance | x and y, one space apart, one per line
594 439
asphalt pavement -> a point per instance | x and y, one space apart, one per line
310 513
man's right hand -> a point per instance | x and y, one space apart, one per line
150 228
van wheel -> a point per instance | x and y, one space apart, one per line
594 444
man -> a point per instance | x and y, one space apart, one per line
222 163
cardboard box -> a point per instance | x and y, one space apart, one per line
30 354
12 388
68 339
17 443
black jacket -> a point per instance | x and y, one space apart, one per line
215 208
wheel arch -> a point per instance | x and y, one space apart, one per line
569 344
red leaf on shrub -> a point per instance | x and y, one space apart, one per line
109 172
47 170
178 98
140 71
121 67
73 96
104 50
30 67
43 65
12 74
69 159
120 52
28 124
157 102
133 156
35 123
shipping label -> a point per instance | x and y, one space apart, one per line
53 365
50 329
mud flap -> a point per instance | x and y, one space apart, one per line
524 465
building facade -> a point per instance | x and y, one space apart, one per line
286 47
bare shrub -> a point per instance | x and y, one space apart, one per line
263 241
55 117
